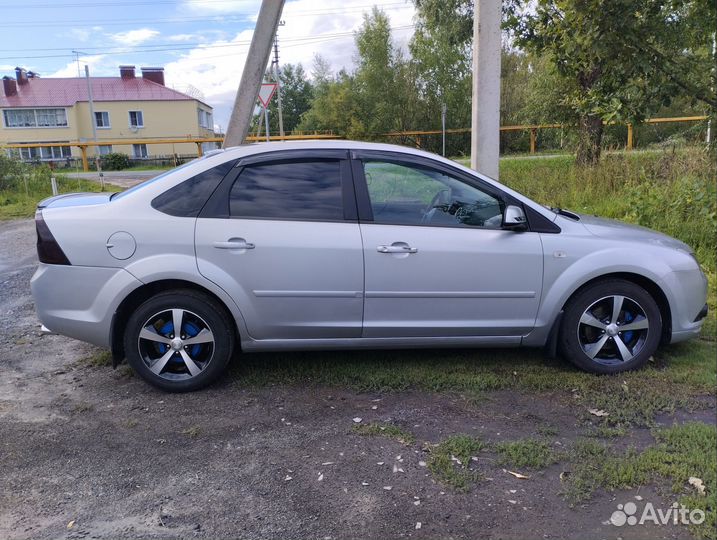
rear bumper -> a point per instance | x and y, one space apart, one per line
79 301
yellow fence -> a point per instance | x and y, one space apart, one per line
316 135
533 129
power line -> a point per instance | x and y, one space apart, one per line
225 18
130 3
288 43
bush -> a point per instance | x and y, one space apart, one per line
115 161
11 171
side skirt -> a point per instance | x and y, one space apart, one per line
379 343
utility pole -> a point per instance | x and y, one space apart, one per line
711 113
93 123
443 127
278 79
256 61
485 113
77 59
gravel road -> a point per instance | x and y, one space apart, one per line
91 452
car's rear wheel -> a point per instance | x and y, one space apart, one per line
611 326
179 340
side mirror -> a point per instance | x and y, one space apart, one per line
514 219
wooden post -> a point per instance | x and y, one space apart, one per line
629 137
199 150
418 141
533 133
85 165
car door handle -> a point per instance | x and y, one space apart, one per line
234 244
397 249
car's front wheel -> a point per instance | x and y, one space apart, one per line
611 326
179 340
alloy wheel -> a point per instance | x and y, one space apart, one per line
613 330
176 355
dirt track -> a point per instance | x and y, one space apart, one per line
84 445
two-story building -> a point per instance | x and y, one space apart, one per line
128 107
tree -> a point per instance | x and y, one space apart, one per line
622 58
296 97
441 51
377 98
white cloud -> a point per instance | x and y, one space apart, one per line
184 37
248 7
134 37
99 67
80 34
310 28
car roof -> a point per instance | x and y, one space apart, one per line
257 148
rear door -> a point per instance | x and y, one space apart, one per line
283 239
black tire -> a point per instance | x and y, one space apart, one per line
602 333
186 366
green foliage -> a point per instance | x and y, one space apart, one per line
527 453
621 58
451 461
115 161
380 96
296 96
22 186
11 171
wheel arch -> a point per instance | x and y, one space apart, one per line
139 295
646 283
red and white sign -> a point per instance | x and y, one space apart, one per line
266 92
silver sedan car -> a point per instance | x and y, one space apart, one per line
327 245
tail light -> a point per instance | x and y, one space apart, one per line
48 250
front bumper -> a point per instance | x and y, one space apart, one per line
79 301
687 295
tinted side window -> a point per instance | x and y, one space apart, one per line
188 198
413 195
306 189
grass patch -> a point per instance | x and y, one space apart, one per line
450 461
390 431
547 431
680 377
527 453
680 452
192 432
83 407
98 360
23 186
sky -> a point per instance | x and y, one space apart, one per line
201 44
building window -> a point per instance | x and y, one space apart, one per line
45 153
104 149
102 119
139 151
205 119
19 118
136 119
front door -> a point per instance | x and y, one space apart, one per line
437 261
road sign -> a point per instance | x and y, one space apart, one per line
266 92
